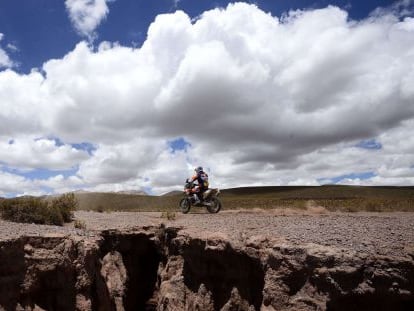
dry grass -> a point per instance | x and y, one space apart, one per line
368 204
107 202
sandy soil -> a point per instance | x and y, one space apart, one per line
390 234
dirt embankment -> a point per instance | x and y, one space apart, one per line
180 266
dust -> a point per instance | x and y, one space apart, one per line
311 208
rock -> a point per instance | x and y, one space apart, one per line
167 268
115 275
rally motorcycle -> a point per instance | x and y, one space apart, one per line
209 198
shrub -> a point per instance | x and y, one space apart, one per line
30 210
372 206
79 224
168 215
351 208
53 216
67 204
39 211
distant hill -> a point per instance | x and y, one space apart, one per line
323 192
172 193
135 192
332 197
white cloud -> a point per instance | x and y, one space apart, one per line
262 100
12 47
120 162
18 185
26 153
5 61
86 15
136 164
11 183
60 184
24 103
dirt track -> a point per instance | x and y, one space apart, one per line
390 234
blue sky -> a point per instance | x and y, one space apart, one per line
90 98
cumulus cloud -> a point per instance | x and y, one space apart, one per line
262 100
26 153
86 15
5 61
11 183
24 103
59 184
16 185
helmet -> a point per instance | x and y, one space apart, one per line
198 169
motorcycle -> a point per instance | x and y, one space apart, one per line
209 200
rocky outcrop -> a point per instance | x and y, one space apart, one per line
158 268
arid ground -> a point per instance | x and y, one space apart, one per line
374 233
303 256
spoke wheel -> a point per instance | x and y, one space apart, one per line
185 205
215 206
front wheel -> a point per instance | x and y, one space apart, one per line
185 205
215 206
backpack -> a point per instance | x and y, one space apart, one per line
204 179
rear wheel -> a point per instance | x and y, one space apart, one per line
185 205
215 206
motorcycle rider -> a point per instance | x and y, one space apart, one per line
202 184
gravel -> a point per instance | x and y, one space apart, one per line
390 234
